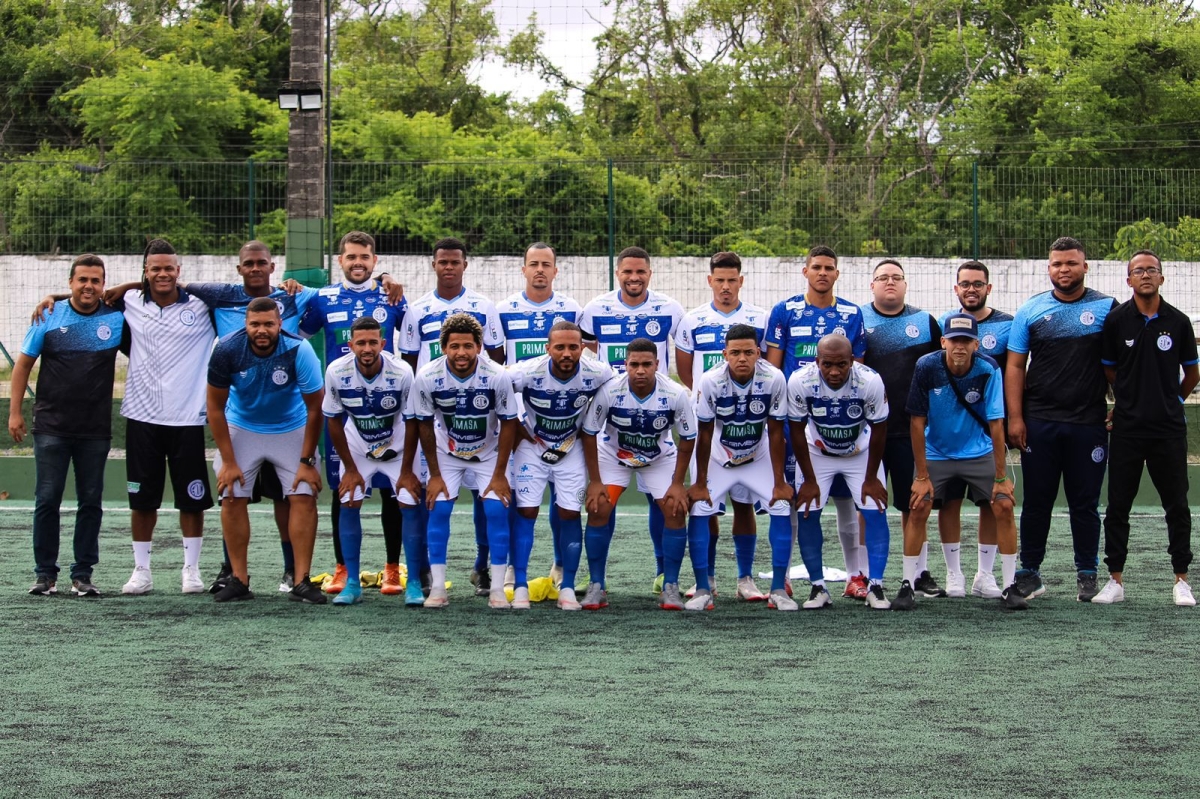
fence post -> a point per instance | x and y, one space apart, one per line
250 194
612 228
975 210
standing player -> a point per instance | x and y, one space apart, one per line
956 405
793 330
972 287
699 348
264 404
743 403
556 389
1057 411
636 413
463 404
839 409
1146 343
335 309
369 387
613 320
898 335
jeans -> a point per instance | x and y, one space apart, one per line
52 455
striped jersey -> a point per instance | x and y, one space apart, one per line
702 330
739 412
265 391
375 407
421 331
637 430
554 409
466 411
228 302
612 324
795 327
337 307
838 422
526 324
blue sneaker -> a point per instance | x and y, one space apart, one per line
350 595
414 596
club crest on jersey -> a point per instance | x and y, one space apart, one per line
653 328
854 411
379 314
480 402
187 317
912 331
279 376
580 401
660 422
973 396
104 332
989 342
1087 318
1164 342
757 407
388 402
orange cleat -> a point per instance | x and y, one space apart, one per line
337 583
391 580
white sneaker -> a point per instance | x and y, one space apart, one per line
748 590
876 598
1183 594
1110 593
192 584
985 586
818 598
779 600
520 598
703 600
956 585
140 582
691 592
510 578
437 597
498 600
567 600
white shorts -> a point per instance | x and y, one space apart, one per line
756 479
529 474
654 478
852 468
251 450
369 468
421 469
737 493
472 475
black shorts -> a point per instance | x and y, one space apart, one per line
267 486
153 448
898 466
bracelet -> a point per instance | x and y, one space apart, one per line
1003 479
921 479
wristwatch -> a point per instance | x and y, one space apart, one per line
309 461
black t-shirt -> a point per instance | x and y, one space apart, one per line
894 345
1147 355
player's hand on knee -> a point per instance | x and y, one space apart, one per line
409 482
351 486
874 489
499 486
782 492
434 491
597 501
307 474
698 493
676 500
229 475
807 496
922 492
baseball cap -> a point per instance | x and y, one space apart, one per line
961 325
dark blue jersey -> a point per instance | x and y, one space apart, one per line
894 345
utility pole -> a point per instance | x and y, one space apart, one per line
306 149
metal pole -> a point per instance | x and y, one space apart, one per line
975 210
250 198
612 228
329 133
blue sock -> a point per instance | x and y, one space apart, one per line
479 517
423 512
698 538
555 526
289 557
439 530
598 540
350 533
877 539
413 534
810 539
674 542
512 534
522 537
572 549
497 530
744 546
780 536
657 523
712 556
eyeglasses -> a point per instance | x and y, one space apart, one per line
1152 271
972 284
888 279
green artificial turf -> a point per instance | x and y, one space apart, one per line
170 695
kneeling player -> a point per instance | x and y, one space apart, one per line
636 413
744 400
839 407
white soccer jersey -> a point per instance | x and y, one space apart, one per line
167 382
554 409
467 412
373 407
838 421
740 412
637 431
421 330
526 324
613 324
702 333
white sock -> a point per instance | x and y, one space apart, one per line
987 558
847 524
191 552
437 576
1008 568
910 568
498 576
952 554
923 559
141 554
818 583
876 582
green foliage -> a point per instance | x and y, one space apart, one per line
1179 243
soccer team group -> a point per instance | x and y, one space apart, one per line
776 412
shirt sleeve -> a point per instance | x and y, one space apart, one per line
876 407
410 337
493 333
1110 337
676 317
935 332
683 335
1187 343
35 336
506 406
685 417
797 407
779 399
421 399
211 294
705 411
1018 332
774 336
918 394
305 299
858 339
308 369
585 323
593 421
312 320
994 395
219 373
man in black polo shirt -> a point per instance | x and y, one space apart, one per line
1145 343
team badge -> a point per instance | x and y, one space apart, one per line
388 402
1098 455
195 489
757 407
653 328
1164 342
104 332
972 396
854 411
912 331
379 314
279 377
1087 318
187 317
660 422
480 402
580 401
989 342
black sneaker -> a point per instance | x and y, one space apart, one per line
426 582
222 579
44 585
305 591
906 598
927 586
234 591
1086 580
1029 583
482 580
83 587
287 582
1012 598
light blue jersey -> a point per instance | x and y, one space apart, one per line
993 334
951 432
265 391
228 302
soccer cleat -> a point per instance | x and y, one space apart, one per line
1110 593
234 591
520 600
221 579
140 582
1013 599
482 580
595 597
856 587
1029 583
779 600
414 597
670 599
818 598
437 597
1182 592
927 586
44 585
337 583
657 588
876 599
390 584
497 600
556 575
304 591
287 583
703 600
956 585
787 585
1087 584
748 591
984 585
510 578
691 592
566 599
190 582
83 587
350 595
906 598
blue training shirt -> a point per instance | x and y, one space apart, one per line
264 392
894 345
228 302
951 432
993 334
